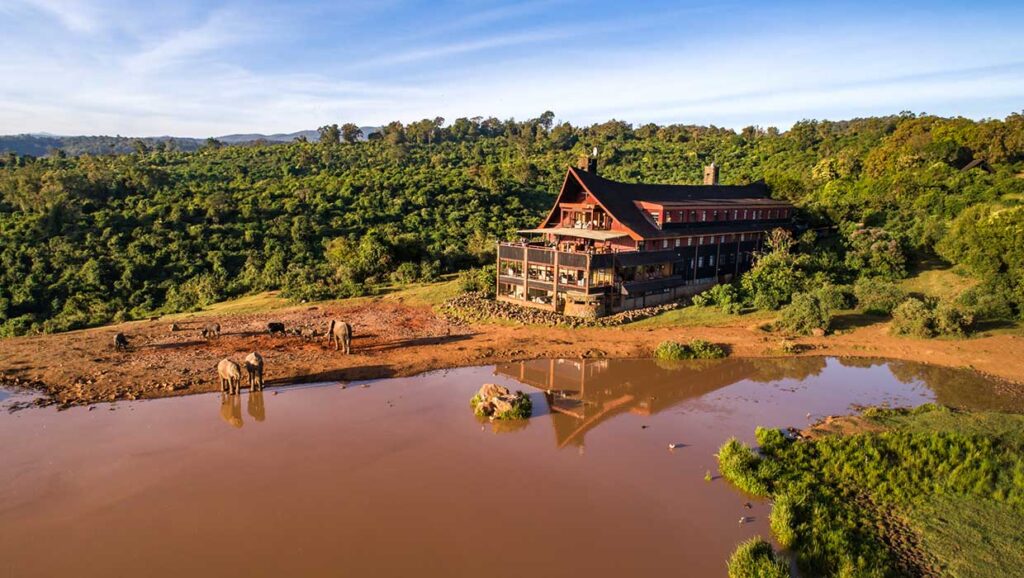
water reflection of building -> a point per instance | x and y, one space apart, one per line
583 393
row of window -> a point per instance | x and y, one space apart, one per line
707 240
713 215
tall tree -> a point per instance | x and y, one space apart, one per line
330 134
350 132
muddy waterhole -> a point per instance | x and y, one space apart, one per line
397 477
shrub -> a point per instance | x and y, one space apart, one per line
770 439
482 280
671 351
701 349
913 317
406 273
696 349
989 302
725 297
836 297
878 296
756 559
782 520
953 319
806 313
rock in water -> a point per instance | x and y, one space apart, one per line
497 402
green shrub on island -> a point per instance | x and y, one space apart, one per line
878 296
756 559
696 349
739 464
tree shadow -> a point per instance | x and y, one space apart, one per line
414 342
174 345
855 320
356 373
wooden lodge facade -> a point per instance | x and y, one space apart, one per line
607 247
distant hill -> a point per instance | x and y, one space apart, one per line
44 144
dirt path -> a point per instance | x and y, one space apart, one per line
393 339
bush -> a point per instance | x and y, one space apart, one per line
701 349
756 559
913 317
836 297
988 302
878 296
405 273
953 319
696 349
671 351
805 314
725 297
480 280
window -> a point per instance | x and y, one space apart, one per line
700 240
677 241
714 216
693 216
711 260
655 215
703 215
700 261
743 237
668 216
664 243
744 213
735 214
689 241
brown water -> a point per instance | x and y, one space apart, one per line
400 479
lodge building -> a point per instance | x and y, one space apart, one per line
607 246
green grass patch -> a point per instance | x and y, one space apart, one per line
756 559
427 294
693 316
938 280
947 486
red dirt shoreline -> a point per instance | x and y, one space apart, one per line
394 339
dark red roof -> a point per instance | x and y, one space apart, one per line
620 199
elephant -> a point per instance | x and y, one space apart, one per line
275 327
340 333
230 375
254 370
211 330
120 342
175 327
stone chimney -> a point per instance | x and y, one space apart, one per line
711 174
589 162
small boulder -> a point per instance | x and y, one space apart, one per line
497 402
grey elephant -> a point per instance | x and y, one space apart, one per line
120 342
340 334
230 375
211 330
254 370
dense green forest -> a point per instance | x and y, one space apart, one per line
89 239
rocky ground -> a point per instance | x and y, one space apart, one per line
392 339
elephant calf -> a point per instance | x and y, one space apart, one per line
230 375
120 342
340 334
254 370
211 330
275 327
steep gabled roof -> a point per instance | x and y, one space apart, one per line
620 199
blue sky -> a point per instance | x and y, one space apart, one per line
200 68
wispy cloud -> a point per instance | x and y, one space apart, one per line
74 15
220 29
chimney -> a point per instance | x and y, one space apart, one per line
711 174
589 162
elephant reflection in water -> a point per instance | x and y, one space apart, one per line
231 409
257 410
